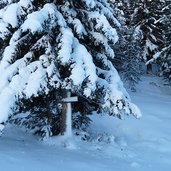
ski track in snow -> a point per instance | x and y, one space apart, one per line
140 145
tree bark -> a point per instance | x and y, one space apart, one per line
149 66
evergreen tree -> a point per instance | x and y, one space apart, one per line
166 53
132 63
148 19
162 9
128 48
52 45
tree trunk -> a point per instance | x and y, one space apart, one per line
1 128
149 66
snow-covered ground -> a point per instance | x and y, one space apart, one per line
140 145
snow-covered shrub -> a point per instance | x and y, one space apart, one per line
54 45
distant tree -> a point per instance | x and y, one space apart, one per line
148 18
161 10
49 46
128 49
166 52
151 21
131 67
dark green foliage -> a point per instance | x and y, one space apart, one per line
39 114
128 49
131 67
166 55
81 121
42 115
152 21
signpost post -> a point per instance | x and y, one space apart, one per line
67 113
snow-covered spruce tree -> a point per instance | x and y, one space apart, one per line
128 49
166 64
131 65
165 54
147 17
160 17
51 45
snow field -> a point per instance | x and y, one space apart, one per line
129 144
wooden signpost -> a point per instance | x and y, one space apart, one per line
67 113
